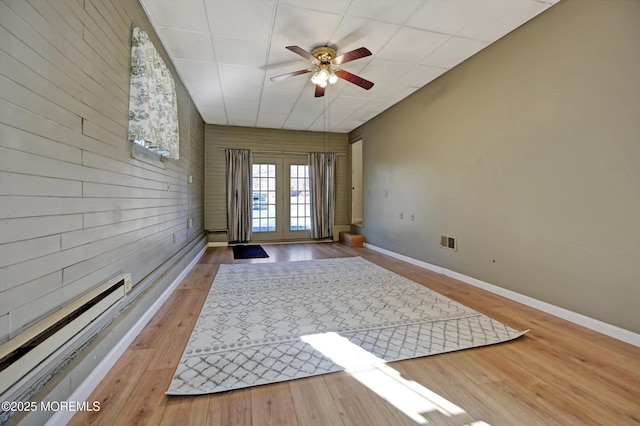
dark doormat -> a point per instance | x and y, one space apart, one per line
249 252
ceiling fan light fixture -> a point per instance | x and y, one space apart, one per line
324 76
333 78
324 58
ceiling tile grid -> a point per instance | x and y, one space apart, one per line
226 51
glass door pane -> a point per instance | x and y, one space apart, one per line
298 224
300 208
281 207
264 210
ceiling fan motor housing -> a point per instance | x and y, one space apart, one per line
324 54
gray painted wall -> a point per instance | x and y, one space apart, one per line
529 154
75 207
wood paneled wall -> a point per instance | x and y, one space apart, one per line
75 207
217 137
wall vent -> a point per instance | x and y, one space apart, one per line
449 243
24 352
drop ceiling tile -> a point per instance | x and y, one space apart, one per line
302 27
186 44
234 51
394 12
453 52
242 106
446 16
241 93
501 18
243 122
241 19
196 70
307 103
299 122
382 73
245 76
375 106
347 126
420 75
276 107
348 102
351 90
334 116
396 93
242 115
330 6
209 102
411 45
363 116
214 115
188 15
272 121
354 33
206 93
279 94
318 126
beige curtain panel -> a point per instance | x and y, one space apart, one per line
322 178
238 195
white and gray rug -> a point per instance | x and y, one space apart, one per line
265 323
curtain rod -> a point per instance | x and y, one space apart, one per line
279 152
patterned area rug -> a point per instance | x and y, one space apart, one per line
265 323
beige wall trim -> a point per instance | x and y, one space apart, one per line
576 318
218 244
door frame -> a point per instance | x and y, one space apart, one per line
282 199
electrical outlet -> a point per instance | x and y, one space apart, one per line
386 193
401 215
189 223
128 283
413 216
189 179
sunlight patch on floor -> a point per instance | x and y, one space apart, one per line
410 397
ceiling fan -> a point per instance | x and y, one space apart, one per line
326 69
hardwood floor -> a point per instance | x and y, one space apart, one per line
558 373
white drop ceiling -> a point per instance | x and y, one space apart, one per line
226 51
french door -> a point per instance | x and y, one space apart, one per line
281 208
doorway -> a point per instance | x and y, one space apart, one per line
357 198
281 207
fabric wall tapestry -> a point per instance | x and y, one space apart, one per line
153 107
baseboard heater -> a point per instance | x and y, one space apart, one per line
24 352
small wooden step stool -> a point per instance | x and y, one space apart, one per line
351 239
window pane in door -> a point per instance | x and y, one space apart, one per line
300 211
263 217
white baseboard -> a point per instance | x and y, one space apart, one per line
217 244
574 317
89 384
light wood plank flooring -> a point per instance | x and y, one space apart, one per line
557 374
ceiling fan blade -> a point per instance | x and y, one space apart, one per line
290 74
319 91
352 78
352 55
300 51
